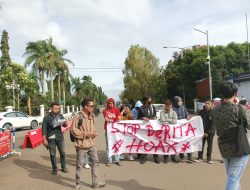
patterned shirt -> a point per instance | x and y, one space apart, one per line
226 120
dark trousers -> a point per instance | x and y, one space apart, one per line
173 157
144 156
59 143
209 140
189 155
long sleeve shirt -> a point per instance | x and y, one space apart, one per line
88 125
48 129
226 120
168 117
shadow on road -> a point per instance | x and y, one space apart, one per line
39 171
130 184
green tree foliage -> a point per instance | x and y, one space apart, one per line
5 58
182 72
46 58
142 75
16 72
83 88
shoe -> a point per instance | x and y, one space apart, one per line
77 187
65 170
99 185
118 163
142 160
181 159
130 157
86 166
157 160
175 160
108 164
198 160
190 160
165 161
210 162
54 172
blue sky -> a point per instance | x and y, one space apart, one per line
99 33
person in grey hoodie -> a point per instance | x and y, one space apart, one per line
182 113
138 104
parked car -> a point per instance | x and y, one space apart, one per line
17 119
158 108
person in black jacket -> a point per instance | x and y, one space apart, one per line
53 136
209 131
146 112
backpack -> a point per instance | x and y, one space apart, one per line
72 138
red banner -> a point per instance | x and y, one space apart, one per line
5 143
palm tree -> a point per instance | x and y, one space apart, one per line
37 56
46 59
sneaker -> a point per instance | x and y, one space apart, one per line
118 163
157 160
142 160
175 160
165 161
190 160
130 157
199 160
65 170
86 166
210 162
108 164
54 172
77 187
181 159
99 185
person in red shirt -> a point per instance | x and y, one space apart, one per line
111 114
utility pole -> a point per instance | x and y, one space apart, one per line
248 59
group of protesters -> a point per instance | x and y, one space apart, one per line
174 110
221 118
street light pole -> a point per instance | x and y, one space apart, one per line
209 64
13 86
248 59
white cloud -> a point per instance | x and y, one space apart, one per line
99 33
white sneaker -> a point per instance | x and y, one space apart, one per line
210 162
86 166
130 157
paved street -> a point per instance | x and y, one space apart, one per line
32 171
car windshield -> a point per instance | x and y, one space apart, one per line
158 107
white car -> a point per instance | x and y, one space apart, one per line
17 119
158 107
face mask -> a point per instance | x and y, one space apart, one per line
179 103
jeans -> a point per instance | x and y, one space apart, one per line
80 153
59 143
86 159
209 140
235 167
109 158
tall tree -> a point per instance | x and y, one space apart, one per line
5 58
37 55
141 74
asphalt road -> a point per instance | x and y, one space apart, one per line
31 171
